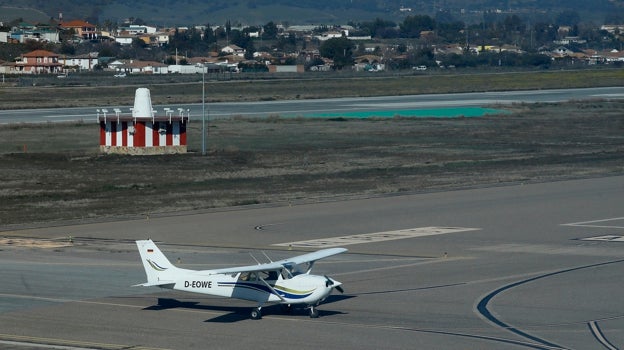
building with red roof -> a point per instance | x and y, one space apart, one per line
83 29
39 61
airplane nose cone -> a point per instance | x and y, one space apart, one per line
332 283
337 286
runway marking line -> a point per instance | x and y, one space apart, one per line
593 222
606 238
600 337
64 343
376 237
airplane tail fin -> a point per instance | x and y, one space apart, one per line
158 268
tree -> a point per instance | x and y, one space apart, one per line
209 35
269 31
544 33
228 28
378 28
422 57
250 50
220 33
138 43
107 50
413 25
239 38
32 45
67 49
286 43
451 32
537 60
513 24
67 34
338 49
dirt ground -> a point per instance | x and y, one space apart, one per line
46 178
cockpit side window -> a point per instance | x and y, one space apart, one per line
248 276
269 275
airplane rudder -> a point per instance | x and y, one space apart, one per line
153 259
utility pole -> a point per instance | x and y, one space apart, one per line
203 109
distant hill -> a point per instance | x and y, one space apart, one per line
10 13
254 12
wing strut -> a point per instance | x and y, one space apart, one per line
271 288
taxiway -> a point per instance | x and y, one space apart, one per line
527 266
294 108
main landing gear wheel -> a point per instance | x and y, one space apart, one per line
256 314
314 312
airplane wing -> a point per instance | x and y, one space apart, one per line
278 265
311 257
250 268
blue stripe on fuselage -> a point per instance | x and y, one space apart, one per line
265 289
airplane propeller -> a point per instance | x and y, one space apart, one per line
330 282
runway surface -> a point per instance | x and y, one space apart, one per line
518 267
294 108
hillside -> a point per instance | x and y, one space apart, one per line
186 12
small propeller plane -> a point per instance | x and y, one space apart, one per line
280 282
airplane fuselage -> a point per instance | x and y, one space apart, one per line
274 282
300 289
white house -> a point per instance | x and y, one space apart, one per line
332 35
162 38
124 39
612 28
116 64
81 62
140 67
234 50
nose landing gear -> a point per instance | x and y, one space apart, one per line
313 312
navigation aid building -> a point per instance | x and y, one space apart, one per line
143 132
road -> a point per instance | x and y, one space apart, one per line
304 107
512 267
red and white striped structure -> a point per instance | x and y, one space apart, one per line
143 132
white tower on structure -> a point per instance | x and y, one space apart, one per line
143 132
142 104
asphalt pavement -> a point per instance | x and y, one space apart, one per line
294 108
526 266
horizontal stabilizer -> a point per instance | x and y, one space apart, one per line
162 284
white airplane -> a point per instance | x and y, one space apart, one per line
275 282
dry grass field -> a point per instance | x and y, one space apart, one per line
48 178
